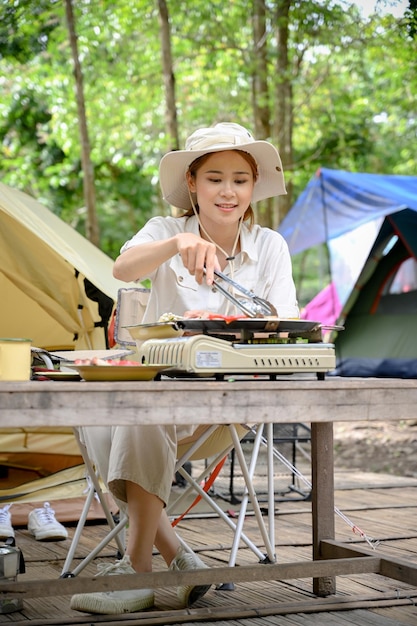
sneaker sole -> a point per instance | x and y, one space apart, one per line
190 595
7 535
49 536
90 603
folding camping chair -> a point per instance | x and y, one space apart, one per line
214 443
131 304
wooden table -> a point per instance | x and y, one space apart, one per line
196 401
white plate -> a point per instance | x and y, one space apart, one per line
57 375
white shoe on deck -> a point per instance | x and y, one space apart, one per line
114 602
43 525
6 528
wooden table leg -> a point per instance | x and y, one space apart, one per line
322 474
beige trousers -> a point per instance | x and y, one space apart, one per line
146 455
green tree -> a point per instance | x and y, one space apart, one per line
341 99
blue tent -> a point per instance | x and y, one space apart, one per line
335 202
379 310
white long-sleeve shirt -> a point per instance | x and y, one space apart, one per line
262 266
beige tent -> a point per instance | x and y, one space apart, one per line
57 290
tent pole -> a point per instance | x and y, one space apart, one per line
325 222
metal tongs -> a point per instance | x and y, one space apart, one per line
259 307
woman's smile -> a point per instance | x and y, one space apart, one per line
224 182
226 207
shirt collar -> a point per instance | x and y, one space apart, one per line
247 240
247 243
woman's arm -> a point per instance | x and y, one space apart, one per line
198 256
142 259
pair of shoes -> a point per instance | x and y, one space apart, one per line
187 560
43 525
114 602
6 528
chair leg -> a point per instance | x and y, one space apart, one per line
98 490
249 493
196 487
270 482
76 538
116 530
113 534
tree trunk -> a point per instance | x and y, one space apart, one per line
171 120
92 227
284 106
260 95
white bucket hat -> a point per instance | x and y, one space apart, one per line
224 136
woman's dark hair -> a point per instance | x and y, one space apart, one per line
199 161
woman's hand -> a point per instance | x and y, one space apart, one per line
198 256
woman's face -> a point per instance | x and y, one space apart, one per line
223 186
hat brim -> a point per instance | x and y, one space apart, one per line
174 166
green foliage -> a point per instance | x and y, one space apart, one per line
411 19
353 82
19 40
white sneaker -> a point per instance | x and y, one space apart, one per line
6 528
43 525
184 560
114 602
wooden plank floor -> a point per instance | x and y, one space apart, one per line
384 507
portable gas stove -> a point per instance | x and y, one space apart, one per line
217 348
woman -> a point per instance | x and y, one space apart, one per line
214 180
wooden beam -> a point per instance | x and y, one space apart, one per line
391 567
217 575
331 549
399 569
322 498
